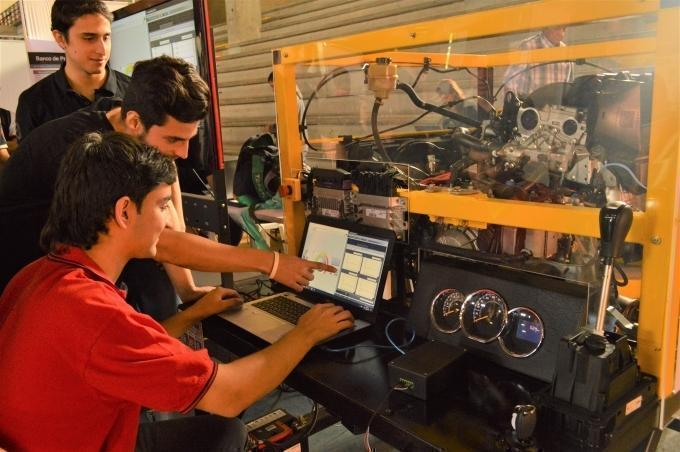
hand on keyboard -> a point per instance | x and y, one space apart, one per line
296 273
216 301
283 308
324 320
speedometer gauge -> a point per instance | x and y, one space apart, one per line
445 310
483 315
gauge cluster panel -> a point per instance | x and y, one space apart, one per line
512 317
484 317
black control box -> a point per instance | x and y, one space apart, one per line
425 370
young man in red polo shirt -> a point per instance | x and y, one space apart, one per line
78 363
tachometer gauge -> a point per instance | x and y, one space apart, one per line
483 315
523 334
445 310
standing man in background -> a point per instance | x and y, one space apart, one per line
452 98
523 81
83 29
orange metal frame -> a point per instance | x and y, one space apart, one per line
656 228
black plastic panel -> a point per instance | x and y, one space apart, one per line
562 305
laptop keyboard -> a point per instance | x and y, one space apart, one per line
283 308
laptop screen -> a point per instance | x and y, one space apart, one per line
359 259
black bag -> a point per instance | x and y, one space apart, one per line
257 169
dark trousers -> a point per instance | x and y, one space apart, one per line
196 433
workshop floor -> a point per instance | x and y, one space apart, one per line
337 438
670 438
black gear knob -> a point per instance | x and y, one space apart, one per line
615 221
524 421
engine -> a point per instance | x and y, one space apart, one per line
580 143
549 141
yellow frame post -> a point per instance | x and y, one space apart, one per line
290 147
658 323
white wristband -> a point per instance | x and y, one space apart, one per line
275 267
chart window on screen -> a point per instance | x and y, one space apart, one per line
167 29
359 258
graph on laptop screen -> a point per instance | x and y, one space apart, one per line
359 259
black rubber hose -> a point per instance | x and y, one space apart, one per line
376 132
418 102
482 256
337 72
472 142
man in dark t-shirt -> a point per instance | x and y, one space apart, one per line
83 30
27 186
52 97
25 194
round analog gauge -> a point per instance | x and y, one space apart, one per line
483 315
523 334
445 310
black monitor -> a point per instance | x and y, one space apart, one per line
180 28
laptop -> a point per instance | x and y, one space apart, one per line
359 253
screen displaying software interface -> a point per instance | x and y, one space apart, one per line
359 258
167 29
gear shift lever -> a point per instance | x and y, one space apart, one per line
596 372
615 221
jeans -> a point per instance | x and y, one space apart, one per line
195 433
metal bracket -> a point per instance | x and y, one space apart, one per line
210 214
291 189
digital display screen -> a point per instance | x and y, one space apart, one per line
528 330
167 29
359 260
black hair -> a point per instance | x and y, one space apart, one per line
270 78
165 86
95 173
66 12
